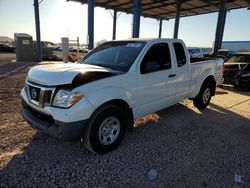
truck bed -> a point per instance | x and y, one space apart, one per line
200 68
199 59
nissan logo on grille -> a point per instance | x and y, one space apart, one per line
33 93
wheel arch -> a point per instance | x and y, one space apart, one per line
210 79
199 99
124 106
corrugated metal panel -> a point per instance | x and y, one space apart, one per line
165 9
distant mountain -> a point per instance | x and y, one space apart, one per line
5 39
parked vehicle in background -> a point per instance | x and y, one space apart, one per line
196 52
6 48
47 44
238 46
225 53
72 49
48 49
58 49
237 70
84 50
98 98
222 53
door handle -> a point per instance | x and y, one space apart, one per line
171 75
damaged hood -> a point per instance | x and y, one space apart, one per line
70 73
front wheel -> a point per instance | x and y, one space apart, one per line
202 100
105 130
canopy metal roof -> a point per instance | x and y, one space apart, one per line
166 9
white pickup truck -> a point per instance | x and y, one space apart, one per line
98 98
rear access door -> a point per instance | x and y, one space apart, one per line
182 70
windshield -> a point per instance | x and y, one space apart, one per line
117 55
239 59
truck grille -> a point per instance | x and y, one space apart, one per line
39 95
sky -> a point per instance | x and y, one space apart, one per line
59 18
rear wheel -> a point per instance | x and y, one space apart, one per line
106 129
202 100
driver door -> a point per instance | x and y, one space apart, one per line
156 80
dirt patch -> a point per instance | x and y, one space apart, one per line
6 58
13 68
14 132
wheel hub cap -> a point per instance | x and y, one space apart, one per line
109 130
206 95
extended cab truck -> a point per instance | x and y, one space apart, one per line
98 98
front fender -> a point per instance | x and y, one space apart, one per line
103 95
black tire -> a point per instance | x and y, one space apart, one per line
199 101
93 140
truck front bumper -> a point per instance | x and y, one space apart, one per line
49 126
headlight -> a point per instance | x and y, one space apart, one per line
66 98
245 75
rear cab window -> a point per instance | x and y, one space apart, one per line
180 54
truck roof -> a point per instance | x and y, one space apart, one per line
150 39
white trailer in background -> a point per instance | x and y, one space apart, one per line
238 46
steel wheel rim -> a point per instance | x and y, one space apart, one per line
206 95
109 130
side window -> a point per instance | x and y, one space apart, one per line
180 54
157 58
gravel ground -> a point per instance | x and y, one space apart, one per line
184 147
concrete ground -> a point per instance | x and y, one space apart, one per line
176 147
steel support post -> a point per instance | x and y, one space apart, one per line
90 39
177 18
114 24
220 28
136 18
223 27
38 36
160 28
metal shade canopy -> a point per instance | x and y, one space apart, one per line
166 9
